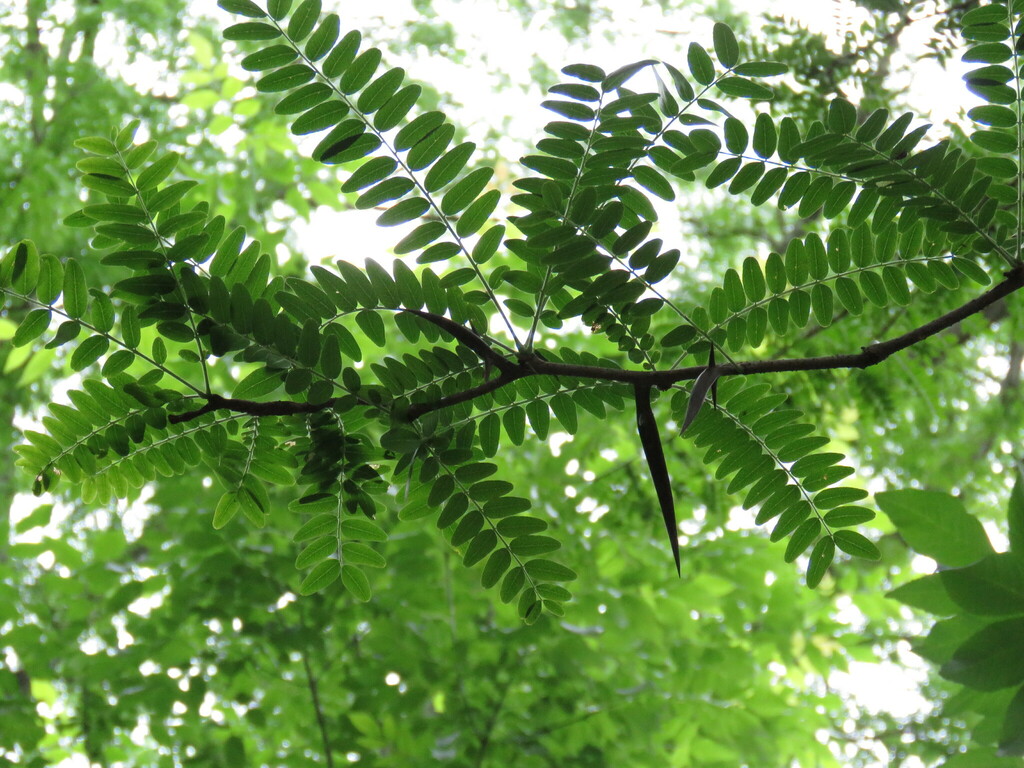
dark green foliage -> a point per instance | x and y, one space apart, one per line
582 246
984 599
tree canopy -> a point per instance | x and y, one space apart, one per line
587 468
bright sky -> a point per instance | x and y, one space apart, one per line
485 29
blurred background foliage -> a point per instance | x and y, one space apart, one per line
137 635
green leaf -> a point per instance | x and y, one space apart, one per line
97 145
520 526
396 108
586 72
124 138
465 191
157 171
937 525
50 282
679 336
324 524
257 384
531 546
303 19
369 173
990 659
285 78
343 55
360 71
380 90
495 567
993 114
1015 516
170 195
512 584
927 594
303 98
743 88
994 586
242 7
418 129
372 325
449 166
821 558
322 576
317 550
821 304
761 69
790 520
654 182
227 508
565 411
856 544
679 80
618 78
726 48
88 352
701 66
548 570
842 517
355 581
66 332
76 293
251 30
32 327
422 236
361 554
40 516
765 137
802 538
406 210
269 58
156 284
320 117
724 171
480 547
571 109
278 9
842 116
108 185
1011 739
971 270
476 215
365 530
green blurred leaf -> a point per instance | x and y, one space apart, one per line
937 525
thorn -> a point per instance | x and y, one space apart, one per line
650 441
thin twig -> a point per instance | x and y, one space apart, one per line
314 695
492 720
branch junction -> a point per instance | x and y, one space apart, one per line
532 364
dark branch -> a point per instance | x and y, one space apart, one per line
314 695
535 365
868 356
518 371
251 407
469 338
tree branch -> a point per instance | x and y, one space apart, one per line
533 364
314 694
868 356
253 408
469 338
492 721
